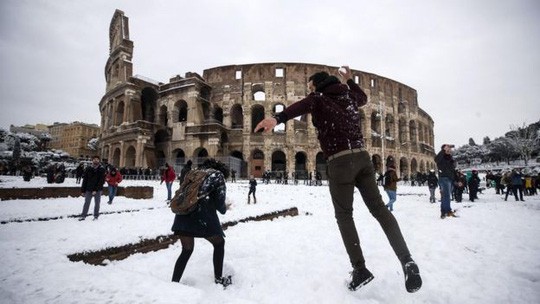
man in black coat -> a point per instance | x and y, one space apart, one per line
92 186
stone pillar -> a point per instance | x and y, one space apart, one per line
122 161
139 152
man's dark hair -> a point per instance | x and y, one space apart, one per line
319 77
96 156
211 163
322 79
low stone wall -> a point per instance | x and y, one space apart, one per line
139 192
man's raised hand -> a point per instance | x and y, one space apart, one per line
266 124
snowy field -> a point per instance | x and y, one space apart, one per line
490 254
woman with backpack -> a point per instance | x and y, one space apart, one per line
204 222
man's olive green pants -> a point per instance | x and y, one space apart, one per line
356 170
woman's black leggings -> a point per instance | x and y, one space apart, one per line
188 243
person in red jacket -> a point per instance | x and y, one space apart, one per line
168 177
113 179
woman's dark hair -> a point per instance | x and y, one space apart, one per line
211 163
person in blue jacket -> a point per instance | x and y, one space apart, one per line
204 222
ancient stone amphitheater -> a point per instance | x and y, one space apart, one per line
145 123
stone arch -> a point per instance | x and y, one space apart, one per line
422 166
300 163
278 108
279 161
200 155
160 157
257 114
110 114
237 117
403 167
402 107
257 163
149 97
218 114
182 110
402 129
414 165
205 93
389 126
320 164
116 157
130 157
161 137
119 115
179 156
421 132
105 154
412 131
362 121
163 115
376 133
257 92
376 159
238 154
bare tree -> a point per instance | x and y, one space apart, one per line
525 141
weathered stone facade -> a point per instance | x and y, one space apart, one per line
145 123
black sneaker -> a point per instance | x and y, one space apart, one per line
225 281
413 281
360 277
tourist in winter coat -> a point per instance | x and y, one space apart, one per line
507 181
168 177
446 165
459 186
92 186
204 223
390 186
184 171
334 108
79 171
517 184
113 179
252 189
474 184
433 183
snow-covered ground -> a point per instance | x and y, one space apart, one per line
490 254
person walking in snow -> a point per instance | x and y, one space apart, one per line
168 177
390 186
204 223
433 183
446 165
92 187
516 178
459 186
334 110
113 178
184 171
252 189
474 185
79 171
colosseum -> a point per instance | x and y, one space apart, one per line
145 123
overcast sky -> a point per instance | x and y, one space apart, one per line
474 63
